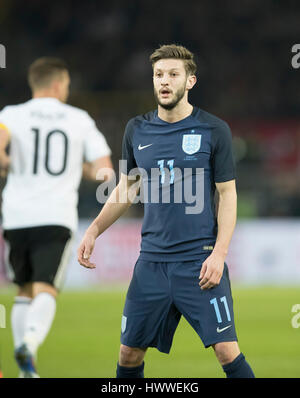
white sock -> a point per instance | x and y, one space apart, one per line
18 318
39 320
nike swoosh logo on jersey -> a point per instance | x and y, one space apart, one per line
143 147
222 330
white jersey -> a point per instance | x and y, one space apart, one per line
50 141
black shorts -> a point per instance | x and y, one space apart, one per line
38 254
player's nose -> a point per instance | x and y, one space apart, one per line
165 79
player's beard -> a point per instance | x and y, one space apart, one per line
171 105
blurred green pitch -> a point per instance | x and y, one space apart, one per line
85 338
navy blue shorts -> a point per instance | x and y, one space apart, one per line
159 293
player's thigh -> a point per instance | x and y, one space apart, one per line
50 256
209 311
149 317
17 259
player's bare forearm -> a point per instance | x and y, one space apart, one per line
4 158
212 268
111 211
226 216
119 201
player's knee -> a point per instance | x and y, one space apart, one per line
130 356
25 290
41 287
226 352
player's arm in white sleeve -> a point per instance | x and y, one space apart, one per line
98 165
4 141
100 169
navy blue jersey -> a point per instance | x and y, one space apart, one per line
179 162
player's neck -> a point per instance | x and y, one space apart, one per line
181 111
44 94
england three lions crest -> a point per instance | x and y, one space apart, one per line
191 143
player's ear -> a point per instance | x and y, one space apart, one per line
191 81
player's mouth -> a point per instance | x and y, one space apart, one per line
164 92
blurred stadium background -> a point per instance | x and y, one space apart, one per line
243 51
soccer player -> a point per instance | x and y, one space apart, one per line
49 142
181 269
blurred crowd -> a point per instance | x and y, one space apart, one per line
243 52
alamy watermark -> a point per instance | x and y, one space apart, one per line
296 58
2 317
296 318
2 56
159 185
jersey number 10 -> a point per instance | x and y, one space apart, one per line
47 151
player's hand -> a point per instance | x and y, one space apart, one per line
4 164
85 250
211 271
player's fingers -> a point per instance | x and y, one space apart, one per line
213 281
80 257
207 285
87 264
87 251
205 278
84 253
80 253
208 281
203 270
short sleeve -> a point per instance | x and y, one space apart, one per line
223 161
95 145
128 159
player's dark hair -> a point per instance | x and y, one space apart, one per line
43 70
177 52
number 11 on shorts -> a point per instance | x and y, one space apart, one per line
217 310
